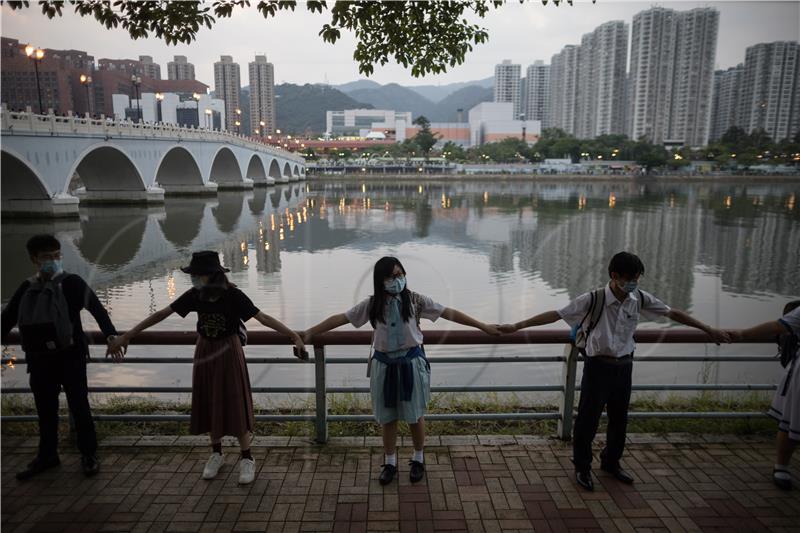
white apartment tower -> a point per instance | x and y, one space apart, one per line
563 88
672 72
180 69
770 89
262 96
227 85
602 66
507 85
537 93
725 104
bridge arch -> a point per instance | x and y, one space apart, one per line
225 168
19 180
287 170
93 168
296 170
255 169
275 170
178 168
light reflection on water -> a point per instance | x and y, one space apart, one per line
727 252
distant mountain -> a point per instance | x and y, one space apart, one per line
465 98
434 93
301 108
355 85
394 96
437 93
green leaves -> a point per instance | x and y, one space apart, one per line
426 36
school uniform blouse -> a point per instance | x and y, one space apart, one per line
613 334
410 336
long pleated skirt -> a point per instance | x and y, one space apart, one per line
222 402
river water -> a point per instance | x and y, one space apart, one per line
727 252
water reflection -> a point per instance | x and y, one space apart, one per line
500 250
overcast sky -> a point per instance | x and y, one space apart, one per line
522 33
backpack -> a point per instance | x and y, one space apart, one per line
579 336
44 323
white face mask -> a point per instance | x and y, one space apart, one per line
627 286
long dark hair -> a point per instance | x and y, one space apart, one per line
384 269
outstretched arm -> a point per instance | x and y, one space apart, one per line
454 315
332 322
767 329
684 318
541 319
280 327
123 340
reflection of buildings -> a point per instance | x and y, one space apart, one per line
562 233
757 253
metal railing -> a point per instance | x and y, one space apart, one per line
321 417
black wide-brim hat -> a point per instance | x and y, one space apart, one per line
203 263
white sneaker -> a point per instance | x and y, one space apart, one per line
213 465
247 471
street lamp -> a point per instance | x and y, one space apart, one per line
238 121
137 81
36 55
85 81
237 124
522 118
196 97
159 99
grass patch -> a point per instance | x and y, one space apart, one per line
441 403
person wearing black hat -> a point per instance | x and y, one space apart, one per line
222 402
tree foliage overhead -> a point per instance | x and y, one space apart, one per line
425 36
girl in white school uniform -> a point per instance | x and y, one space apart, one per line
785 408
399 372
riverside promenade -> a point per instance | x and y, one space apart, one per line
473 483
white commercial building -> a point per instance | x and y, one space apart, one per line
494 121
171 108
360 122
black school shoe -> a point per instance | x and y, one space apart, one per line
618 473
37 466
387 474
584 479
90 465
417 471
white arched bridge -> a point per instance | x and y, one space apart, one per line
126 162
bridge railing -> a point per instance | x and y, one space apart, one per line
569 359
52 124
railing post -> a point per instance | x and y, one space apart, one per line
568 373
321 404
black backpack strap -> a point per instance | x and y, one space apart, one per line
641 299
599 302
589 311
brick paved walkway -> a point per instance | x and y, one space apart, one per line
473 484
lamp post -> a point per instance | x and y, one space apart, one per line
262 125
522 118
36 55
85 81
238 119
237 124
196 97
136 81
159 99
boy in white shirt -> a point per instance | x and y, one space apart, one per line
607 318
